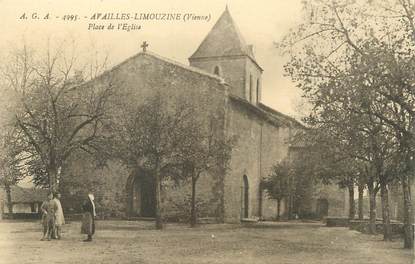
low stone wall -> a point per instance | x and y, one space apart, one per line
363 226
73 217
337 222
21 216
78 217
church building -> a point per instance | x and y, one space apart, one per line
225 79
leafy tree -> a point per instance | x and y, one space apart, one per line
205 151
358 55
11 171
150 136
325 160
279 184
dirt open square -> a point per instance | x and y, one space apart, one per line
138 242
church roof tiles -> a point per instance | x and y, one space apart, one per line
184 66
224 40
266 113
261 110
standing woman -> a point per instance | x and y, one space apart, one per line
59 217
88 222
44 210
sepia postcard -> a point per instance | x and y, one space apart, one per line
222 131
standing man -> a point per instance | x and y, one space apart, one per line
49 209
59 217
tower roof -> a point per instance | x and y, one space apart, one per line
224 39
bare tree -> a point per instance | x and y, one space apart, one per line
57 111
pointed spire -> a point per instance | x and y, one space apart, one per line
224 39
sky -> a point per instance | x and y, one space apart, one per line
261 22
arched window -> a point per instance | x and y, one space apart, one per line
245 197
216 71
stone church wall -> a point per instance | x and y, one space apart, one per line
253 72
233 67
260 145
83 175
397 202
236 72
244 161
139 78
275 149
338 199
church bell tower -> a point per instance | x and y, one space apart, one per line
224 52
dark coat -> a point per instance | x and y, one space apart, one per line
88 222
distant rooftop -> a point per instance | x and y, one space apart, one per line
24 195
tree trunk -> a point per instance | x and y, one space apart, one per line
1 210
361 190
9 198
352 206
408 233
384 193
193 217
372 209
159 221
278 209
290 207
52 173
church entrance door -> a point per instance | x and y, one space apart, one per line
142 198
322 208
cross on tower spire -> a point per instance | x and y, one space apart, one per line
144 46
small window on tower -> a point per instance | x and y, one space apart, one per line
257 90
250 88
216 71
